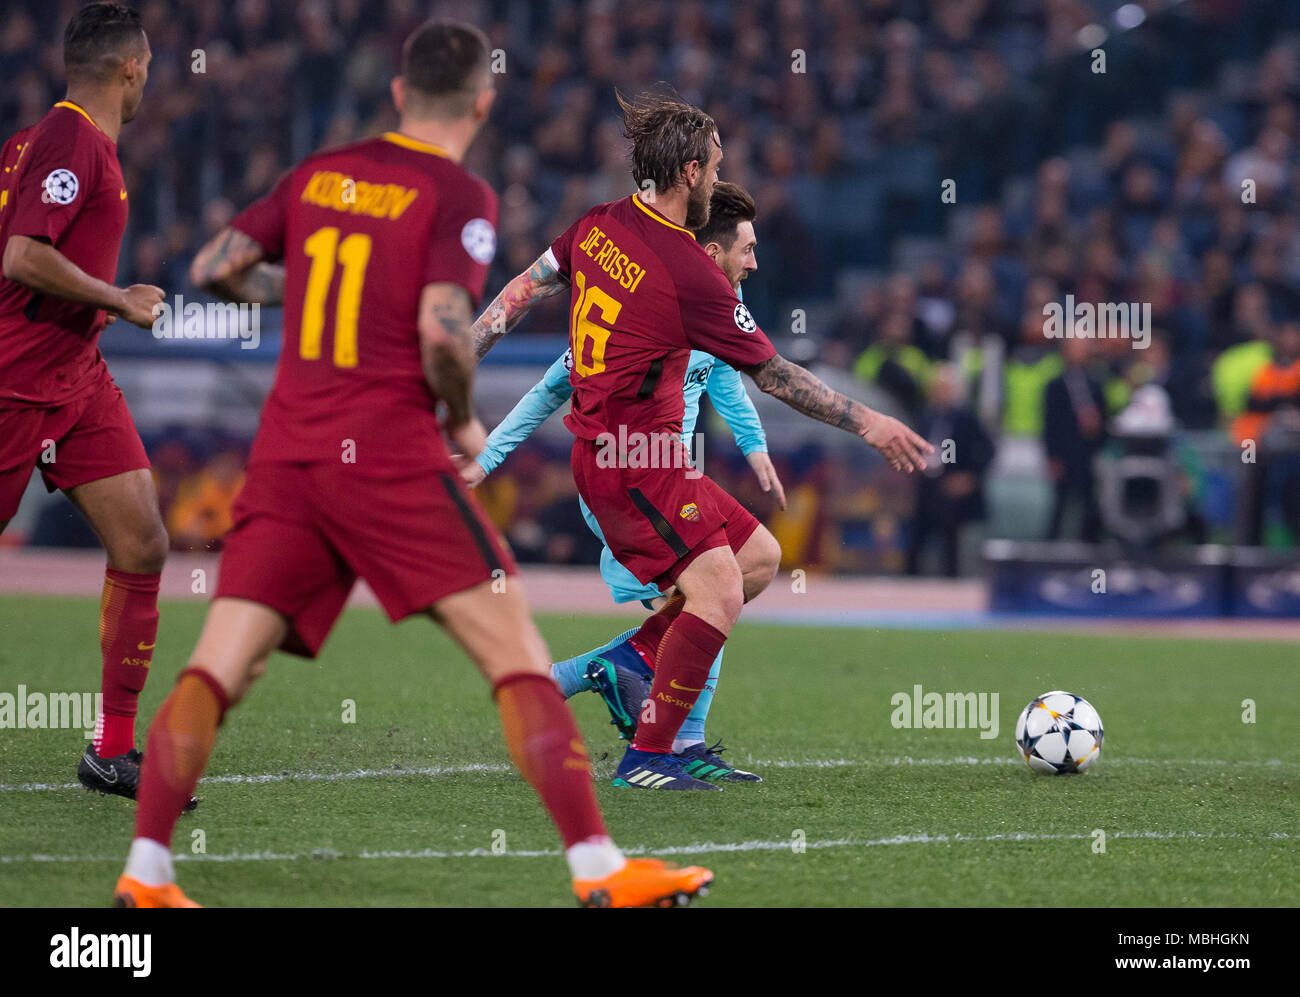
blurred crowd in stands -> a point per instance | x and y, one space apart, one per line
1166 176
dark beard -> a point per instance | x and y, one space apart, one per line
697 208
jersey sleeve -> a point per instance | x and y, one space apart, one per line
55 184
561 250
464 240
727 392
265 219
543 398
715 321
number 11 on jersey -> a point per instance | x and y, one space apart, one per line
353 254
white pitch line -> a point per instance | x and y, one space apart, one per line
436 771
1001 760
433 771
700 848
268 777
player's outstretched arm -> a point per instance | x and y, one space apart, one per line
232 266
36 264
541 280
446 355
732 402
805 393
542 399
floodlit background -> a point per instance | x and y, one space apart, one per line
928 176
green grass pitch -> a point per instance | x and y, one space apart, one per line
1198 807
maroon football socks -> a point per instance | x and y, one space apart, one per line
547 748
180 741
128 629
682 664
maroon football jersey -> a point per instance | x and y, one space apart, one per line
644 294
61 182
361 230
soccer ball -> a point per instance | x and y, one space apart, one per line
1058 732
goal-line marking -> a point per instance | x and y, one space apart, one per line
700 848
435 771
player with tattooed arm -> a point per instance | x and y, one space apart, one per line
383 247
616 671
642 295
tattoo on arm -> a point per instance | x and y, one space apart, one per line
264 283
541 280
805 393
446 353
232 267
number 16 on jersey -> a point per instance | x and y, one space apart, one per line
584 330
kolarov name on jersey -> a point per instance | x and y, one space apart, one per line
331 189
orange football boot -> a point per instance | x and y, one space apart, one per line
645 883
133 893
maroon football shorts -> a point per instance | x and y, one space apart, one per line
89 438
304 533
657 520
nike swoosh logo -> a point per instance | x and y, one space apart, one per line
102 773
684 688
146 647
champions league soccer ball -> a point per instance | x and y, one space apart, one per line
1059 733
